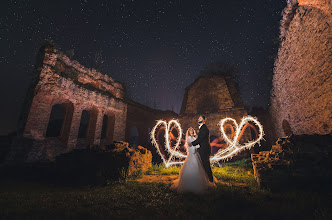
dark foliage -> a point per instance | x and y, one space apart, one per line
90 167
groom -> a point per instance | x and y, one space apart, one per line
204 150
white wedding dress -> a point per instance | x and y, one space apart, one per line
192 176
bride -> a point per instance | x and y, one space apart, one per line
192 176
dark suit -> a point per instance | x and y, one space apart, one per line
204 150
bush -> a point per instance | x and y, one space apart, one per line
99 165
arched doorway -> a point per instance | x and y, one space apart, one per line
56 120
82 131
107 130
60 121
87 129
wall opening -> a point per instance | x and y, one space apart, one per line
60 121
87 129
82 132
56 120
104 127
107 131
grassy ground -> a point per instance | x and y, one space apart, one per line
237 197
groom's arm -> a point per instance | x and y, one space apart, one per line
201 134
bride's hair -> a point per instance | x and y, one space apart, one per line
190 129
186 146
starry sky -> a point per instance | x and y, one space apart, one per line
157 48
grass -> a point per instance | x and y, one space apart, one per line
153 200
239 171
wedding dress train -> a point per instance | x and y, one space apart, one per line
192 176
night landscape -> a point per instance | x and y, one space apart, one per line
121 109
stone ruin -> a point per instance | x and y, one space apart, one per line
216 98
69 106
95 109
213 96
102 164
301 103
61 84
301 95
293 160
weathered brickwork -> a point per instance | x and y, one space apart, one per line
213 96
76 88
324 5
293 160
212 119
144 119
60 81
301 98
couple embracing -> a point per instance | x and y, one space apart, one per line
196 175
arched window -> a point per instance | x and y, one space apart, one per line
107 128
56 121
60 121
87 127
82 132
104 127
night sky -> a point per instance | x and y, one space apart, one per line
157 48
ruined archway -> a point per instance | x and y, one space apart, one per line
60 121
56 120
87 128
58 80
84 123
107 131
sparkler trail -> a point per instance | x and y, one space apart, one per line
227 150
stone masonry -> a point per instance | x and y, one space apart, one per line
294 160
111 114
213 96
301 98
77 88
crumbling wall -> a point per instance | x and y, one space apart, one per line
144 119
213 96
301 97
77 88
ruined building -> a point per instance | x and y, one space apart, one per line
69 106
213 96
65 87
301 98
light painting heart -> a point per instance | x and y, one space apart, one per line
233 146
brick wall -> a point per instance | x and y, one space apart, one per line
77 88
302 82
213 96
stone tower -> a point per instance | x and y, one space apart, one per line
213 96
